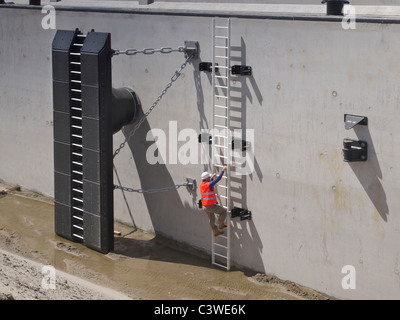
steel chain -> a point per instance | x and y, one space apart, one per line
175 77
175 187
132 52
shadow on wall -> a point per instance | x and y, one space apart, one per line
369 174
169 215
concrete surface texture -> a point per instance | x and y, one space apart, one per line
313 214
38 265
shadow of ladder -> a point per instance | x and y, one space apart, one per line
221 145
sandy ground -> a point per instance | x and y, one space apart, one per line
142 265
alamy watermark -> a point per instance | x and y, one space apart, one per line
49 278
183 147
49 20
349 17
349 280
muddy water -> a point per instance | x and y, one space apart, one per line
142 266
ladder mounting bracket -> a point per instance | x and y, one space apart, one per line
241 144
204 137
244 214
242 70
207 67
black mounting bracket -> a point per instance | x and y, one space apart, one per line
204 137
207 67
354 150
243 144
241 70
244 214
351 120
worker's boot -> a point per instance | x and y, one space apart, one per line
216 231
222 225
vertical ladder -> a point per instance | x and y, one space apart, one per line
76 138
221 153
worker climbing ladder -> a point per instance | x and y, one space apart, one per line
221 146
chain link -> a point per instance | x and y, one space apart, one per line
175 187
175 77
132 52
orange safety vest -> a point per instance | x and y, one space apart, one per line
208 197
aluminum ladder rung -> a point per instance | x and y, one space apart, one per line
76 72
220 146
77 190
76 127
77 172
222 117
77 136
224 197
77 218
219 166
220 186
223 97
219 126
219 136
76 90
76 81
221 57
76 99
76 63
75 53
220 245
221 265
217 254
77 235
221 47
218 86
221 77
221 27
219 106
221 37
78 227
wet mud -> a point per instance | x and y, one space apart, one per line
142 265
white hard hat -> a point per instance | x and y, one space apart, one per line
205 175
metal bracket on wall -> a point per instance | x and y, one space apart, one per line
354 150
241 144
204 137
243 214
207 67
192 49
351 120
242 70
191 184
